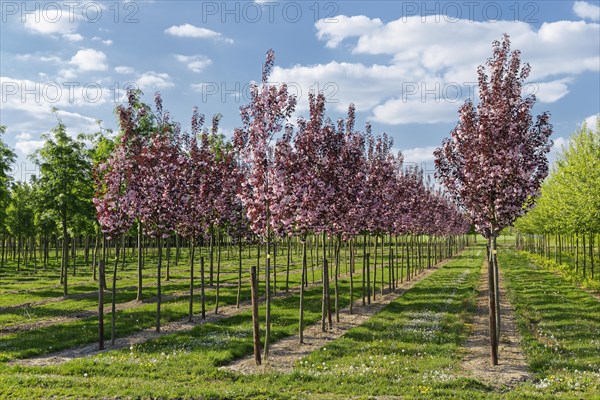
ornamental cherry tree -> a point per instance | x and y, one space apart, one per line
112 200
269 108
159 185
495 160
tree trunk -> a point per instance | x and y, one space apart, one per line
140 262
375 267
218 272
268 299
303 279
158 279
274 266
95 255
19 254
114 296
239 288
255 327
287 273
202 295
335 277
351 244
496 288
191 311
211 257
124 254
364 270
168 239
65 254
74 247
492 304
100 307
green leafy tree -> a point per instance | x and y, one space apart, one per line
65 182
20 216
7 158
570 199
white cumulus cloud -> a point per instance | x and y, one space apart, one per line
122 69
195 63
429 73
419 155
591 121
153 81
23 136
73 37
549 92
28 146
191 31
586 10
89 60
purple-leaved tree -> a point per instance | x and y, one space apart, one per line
270 106
495 160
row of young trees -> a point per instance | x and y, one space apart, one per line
56 204
320 178
568 210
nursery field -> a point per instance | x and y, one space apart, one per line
300 256
414 347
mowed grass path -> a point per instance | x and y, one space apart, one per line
415 338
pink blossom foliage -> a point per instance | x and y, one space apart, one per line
496 159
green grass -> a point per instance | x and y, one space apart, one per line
421 333
567 270
560 329
411 349
66 335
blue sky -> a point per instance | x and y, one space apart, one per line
407 66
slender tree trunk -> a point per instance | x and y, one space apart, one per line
177 249
317 259
65 254
492 304
124 253
592 254
496 288
576 254
584 257
351 245
168 239
113 316
211 256
140 262
382 264
95 253
255 316
101 307
191 310
274 266
218 272
375 266
303 274
158 279
335 277
73 246
268 298
364 270
3 251
202 294
239 288
287 273
19 254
